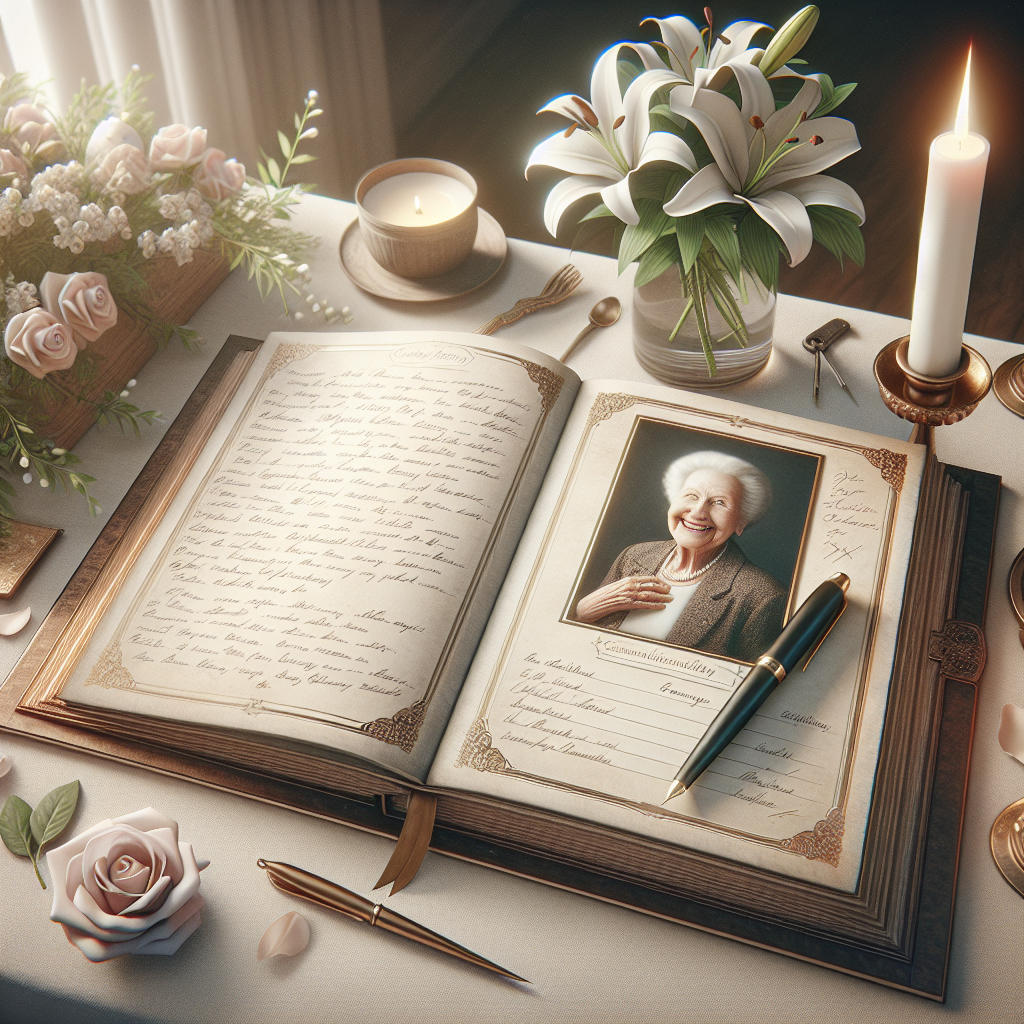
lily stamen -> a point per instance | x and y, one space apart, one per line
756 123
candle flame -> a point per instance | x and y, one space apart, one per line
419 209
960 129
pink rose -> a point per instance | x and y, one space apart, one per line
124 169
82 301
39 342
32 129
127 885
176 146
11 163
218 178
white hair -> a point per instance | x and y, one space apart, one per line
757 488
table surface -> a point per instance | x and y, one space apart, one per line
588 961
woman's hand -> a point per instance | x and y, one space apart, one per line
628 594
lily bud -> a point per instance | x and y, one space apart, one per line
789 40
619 121
756 123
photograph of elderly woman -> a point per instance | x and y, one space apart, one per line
699 542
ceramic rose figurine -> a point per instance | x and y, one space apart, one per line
127 885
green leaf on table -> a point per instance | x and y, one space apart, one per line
15 829
638 238
54 812
657 260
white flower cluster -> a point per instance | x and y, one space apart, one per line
13 217
194 225
69 177
20 297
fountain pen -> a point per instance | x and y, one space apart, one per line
802 635
308 886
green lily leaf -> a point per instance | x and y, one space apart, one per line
657 259
14 826
722 233
54 812
598 211
638 238
839 231
690 237
838 95
761 248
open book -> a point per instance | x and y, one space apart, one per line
362 569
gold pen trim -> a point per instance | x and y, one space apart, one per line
775 667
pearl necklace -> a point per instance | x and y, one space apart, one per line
685 577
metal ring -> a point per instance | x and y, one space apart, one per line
775 667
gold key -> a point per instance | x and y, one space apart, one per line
819 340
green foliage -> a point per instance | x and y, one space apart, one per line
831 95
761 248
658 258
839 231
25 832
637 238
273 174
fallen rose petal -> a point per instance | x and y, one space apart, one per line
1011 731
14 622
287 936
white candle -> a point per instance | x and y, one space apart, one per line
417 198
949 231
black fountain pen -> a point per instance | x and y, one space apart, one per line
801 636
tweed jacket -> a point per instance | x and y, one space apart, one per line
736 610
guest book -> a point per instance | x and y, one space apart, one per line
351 573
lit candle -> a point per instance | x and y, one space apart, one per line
949 231
417 198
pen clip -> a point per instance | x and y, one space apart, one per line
806 660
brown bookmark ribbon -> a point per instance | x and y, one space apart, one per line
412 844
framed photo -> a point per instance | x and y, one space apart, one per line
741 602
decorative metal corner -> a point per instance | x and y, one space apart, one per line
401 729
960 649
892 465
824 842
108 671
607 404
478 753
549 383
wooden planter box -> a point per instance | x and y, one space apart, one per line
176 294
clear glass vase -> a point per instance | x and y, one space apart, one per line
657 307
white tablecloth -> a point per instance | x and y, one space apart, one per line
588 961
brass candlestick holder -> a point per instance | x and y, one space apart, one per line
1008 384
930 402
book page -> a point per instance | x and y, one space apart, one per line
327 567
593 718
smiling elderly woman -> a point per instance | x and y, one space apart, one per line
698 589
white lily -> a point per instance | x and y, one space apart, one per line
609 139
688 55
766 158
